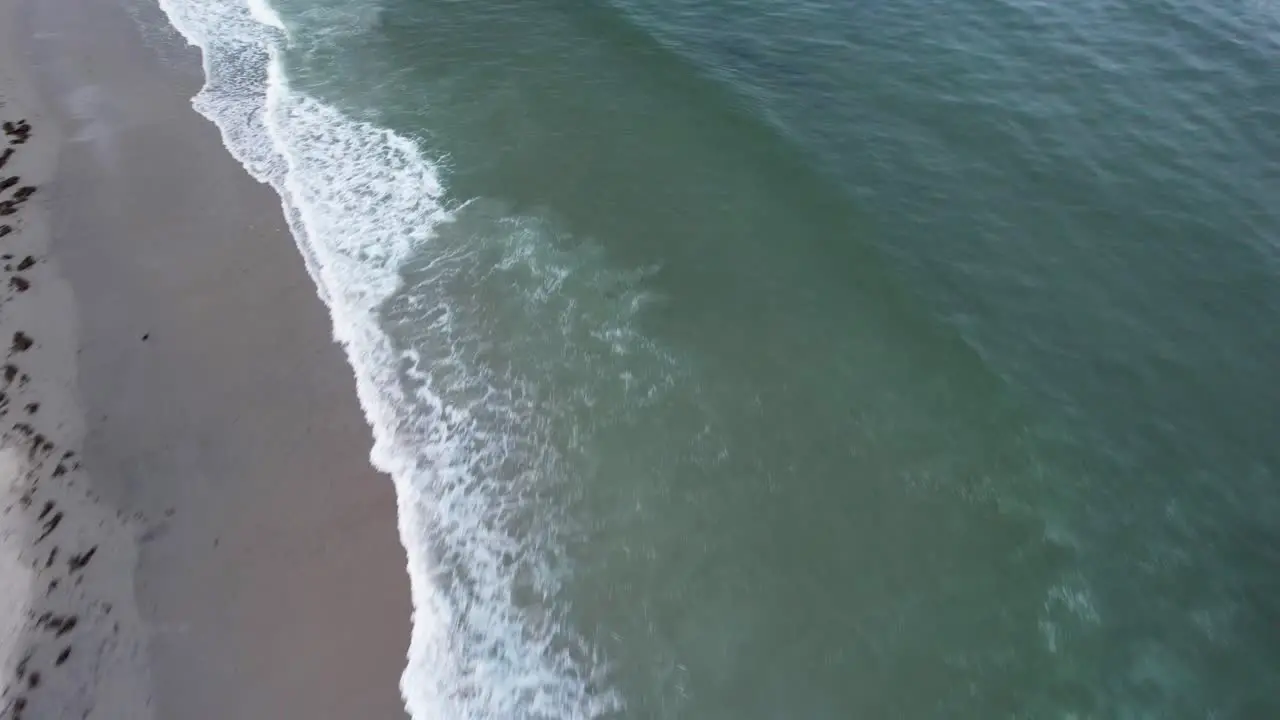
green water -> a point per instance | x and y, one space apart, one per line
852 360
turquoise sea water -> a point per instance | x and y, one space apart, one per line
806 359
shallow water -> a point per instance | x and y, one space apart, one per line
799 359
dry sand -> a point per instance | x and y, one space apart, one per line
71 643
216 417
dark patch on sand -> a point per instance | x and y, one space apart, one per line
78 562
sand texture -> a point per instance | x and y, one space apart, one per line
223 546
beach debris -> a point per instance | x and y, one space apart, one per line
50 525
19 283
10 372
146 337
9 207
26 263
38 443
78 562
66 625
32 408
20 131
22 341
59 625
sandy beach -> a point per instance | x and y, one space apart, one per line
177 403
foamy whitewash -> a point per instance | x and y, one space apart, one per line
360 200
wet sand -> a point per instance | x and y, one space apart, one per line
220 422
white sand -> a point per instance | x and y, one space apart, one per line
233 555
19 577
71 642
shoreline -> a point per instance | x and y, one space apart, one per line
219 416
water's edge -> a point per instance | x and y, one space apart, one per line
329 170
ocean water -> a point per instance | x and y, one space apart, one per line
806 359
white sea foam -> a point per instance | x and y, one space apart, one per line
360 201
261 11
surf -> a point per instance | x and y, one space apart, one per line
361 200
